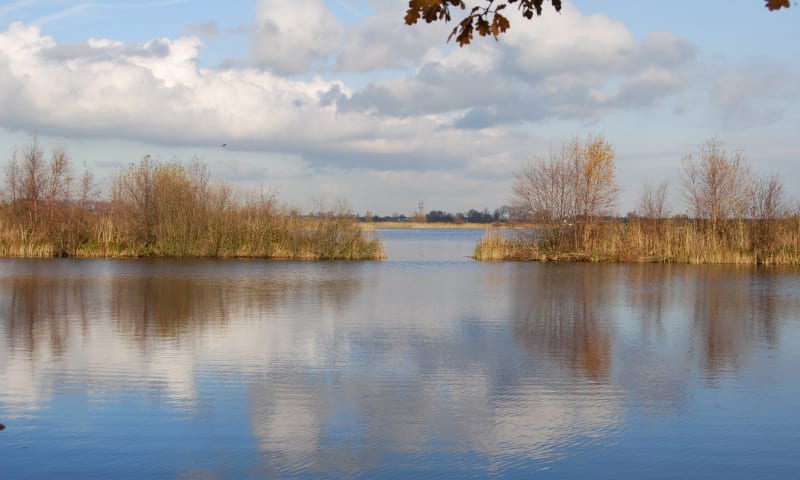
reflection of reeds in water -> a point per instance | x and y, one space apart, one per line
732 309
562 315
773 242
173 306
47 312
566 312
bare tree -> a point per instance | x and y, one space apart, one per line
652 212
652 202
715 183
133 198
570 189
28 175
57 187
769 202
33 186
88 189
544 192
44 200
768 205
12 192
544 189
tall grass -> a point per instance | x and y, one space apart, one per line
769 242
175 210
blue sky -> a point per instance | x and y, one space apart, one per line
337 101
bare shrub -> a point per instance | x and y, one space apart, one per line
568 192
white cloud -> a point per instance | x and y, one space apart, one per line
383 41
156 91
364 93
116 89
571 42
559 66
293 37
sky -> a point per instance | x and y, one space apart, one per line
338 102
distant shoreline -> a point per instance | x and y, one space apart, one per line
371 226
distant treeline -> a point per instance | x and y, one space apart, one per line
158 208
735 215
502 214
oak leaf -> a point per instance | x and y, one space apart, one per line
486 19
777 4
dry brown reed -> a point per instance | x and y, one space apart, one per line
167 209
665 241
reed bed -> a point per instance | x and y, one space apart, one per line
290 237
773 242
171 210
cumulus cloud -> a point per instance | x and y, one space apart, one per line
571 42
382 41
151 92
156 92
426 105
564 66
293 37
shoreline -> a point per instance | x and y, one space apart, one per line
372 226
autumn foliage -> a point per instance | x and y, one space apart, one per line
485 20
777 4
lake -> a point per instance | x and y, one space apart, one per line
425 365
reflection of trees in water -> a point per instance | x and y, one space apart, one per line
443 375
45 310
153 307
342 372
726 310
720 324
649 290
776 293
561 311
41 312
655 368
148 325
733 308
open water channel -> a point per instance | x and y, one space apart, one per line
425 365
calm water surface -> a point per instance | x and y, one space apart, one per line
424 365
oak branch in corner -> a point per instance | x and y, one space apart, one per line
487 18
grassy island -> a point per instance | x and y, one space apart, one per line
156 209
734 214
673 240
